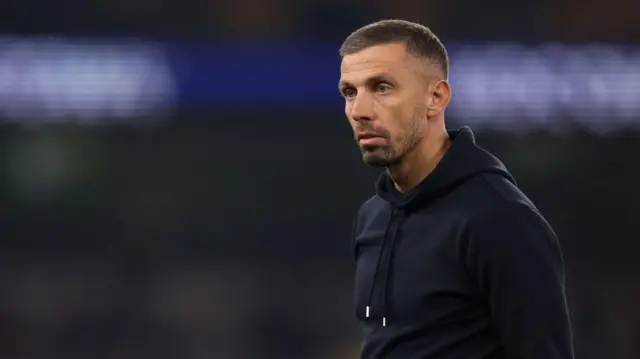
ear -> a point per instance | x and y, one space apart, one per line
440 95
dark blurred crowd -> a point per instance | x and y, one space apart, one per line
89 306
205 239
527 20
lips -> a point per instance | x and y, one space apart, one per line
370 139
366 136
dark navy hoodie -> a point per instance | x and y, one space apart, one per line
463 266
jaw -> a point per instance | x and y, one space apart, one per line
378 156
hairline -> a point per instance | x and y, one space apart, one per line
429 61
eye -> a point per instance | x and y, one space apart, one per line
348 92
383 87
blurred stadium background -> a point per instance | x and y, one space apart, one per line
178 180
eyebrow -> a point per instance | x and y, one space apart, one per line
343 84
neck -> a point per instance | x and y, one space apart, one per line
417 164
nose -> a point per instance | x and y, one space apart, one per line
361 108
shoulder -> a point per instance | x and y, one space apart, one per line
369 210
505 203
372 204
499 188
508 227
492 195
501 212
508 212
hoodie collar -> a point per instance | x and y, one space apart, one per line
463 160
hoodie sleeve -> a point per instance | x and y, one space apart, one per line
515 259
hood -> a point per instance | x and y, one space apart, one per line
463 160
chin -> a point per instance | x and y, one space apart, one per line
378 156
376 160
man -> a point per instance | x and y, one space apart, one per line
453 261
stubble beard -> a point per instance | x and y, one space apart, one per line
392 153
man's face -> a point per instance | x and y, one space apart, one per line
385 101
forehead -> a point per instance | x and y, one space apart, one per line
389 58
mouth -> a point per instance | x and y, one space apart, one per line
369 139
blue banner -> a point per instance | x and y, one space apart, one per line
48 78
255 75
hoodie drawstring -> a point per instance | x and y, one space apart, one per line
387 275
378 262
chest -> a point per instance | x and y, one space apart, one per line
408 266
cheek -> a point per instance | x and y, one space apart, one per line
398 114
401 120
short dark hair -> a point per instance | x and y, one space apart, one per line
420 41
